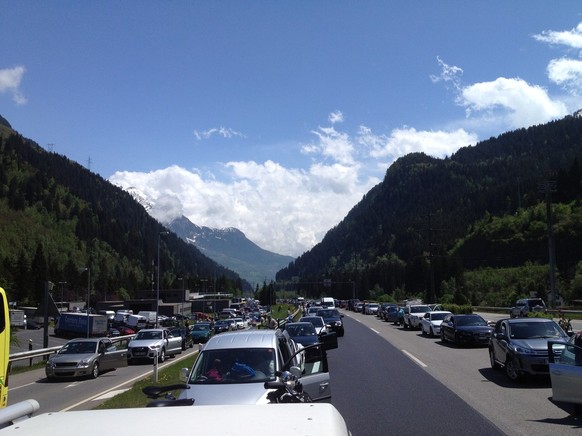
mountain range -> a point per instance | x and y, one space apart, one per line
231 248
228 247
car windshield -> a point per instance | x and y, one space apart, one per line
328 313
306 329
79 348
419 309
438 316
148 335
315 320
534 330
203 327
475 320
234 366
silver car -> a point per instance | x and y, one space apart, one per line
232 368
85 358
147 342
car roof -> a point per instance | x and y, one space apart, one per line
86 340
527 319
245 339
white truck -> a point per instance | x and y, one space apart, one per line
17 318
150 316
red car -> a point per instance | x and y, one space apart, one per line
125 331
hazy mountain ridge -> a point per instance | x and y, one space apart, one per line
232 249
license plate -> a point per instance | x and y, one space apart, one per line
140 353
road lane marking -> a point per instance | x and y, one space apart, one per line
375 331
414 359
111 394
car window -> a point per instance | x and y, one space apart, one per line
419 309
234 366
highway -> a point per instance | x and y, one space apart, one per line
385 380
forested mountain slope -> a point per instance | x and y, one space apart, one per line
415 230
57 218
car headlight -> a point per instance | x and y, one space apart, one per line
521 350
84 363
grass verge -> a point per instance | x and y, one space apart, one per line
134 397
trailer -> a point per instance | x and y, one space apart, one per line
72 324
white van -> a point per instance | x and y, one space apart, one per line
136 322
328 302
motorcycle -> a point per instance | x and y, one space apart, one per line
288 390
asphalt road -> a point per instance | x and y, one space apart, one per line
523 408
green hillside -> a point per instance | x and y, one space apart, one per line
57 217
434 225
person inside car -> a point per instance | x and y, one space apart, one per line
215 373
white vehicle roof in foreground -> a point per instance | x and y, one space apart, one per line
246 339
288 419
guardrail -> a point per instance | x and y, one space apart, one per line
44 352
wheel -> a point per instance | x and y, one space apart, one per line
95 370
493 362
422 332
443 340
511 371
162 356
404 325
431 333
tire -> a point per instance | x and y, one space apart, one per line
443 340
494 364
510 371
404 325
422 332
162 356
431 333
95 370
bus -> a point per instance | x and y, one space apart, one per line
4 347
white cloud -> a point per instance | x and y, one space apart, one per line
515 101
283 210
569 38
10 79
336 117
225 132
331 144
449 74
566 73
408 140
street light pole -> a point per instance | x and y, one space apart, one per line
181 279
88 295
158 287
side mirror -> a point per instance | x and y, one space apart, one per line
184 372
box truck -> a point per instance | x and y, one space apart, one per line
72 324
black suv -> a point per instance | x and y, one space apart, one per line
332 318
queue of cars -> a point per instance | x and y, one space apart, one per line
520 345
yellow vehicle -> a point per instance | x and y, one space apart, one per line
4 347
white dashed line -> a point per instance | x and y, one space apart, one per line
414 359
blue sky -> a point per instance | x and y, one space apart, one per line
277 117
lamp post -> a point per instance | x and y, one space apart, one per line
158 287
88 294
181 279
62 295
